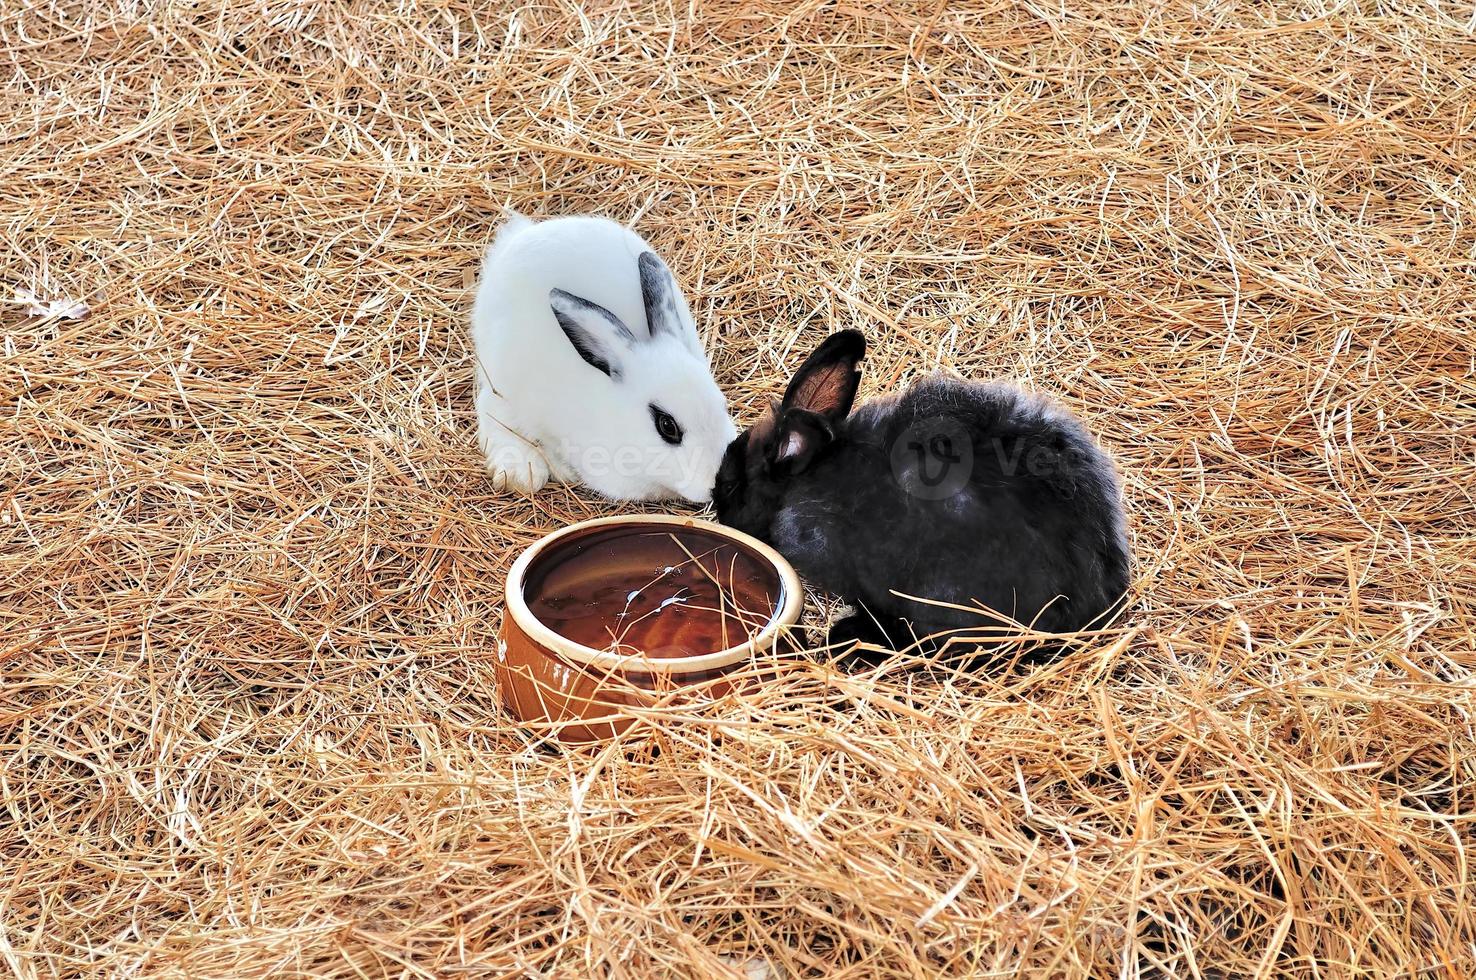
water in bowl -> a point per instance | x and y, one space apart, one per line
660 591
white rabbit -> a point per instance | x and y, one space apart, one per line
589 368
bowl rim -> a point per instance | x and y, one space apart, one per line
783 618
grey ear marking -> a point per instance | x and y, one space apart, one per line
595 332
658 290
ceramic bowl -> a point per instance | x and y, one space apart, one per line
582 694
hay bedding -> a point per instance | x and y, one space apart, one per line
251 566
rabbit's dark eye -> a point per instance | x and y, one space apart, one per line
666 426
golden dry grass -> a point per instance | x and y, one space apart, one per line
251 566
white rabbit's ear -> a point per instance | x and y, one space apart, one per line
659 292
596 333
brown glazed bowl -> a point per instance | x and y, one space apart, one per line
582 694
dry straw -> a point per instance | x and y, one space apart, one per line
250 572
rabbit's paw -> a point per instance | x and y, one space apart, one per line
516 467
515 463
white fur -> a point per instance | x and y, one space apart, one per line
544 412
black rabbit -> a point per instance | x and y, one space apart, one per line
959 492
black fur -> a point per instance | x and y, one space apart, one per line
1033 528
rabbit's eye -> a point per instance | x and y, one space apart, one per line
666 426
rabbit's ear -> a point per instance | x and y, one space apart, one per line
596 333
659 292
801 435
826 383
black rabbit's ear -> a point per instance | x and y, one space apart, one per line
801 435
826 383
